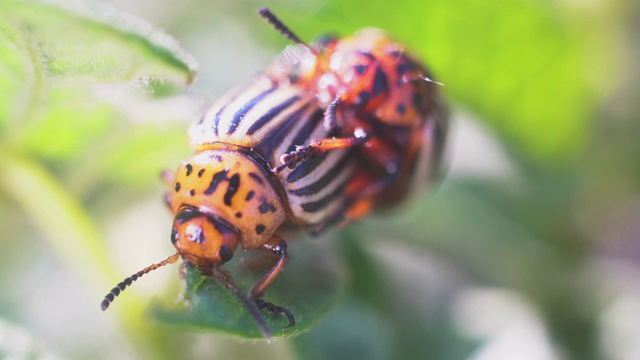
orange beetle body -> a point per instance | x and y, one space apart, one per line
381 99
320 139
369 75
237 200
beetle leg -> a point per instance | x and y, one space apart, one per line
278 246
331 115
168 177
319 146
167 200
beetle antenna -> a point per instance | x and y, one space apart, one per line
428 79
225 279
281 27
108 299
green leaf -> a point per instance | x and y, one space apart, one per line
134 155
51 59
69 120
15 76
108 49
310 286
393 311
68 228
354 332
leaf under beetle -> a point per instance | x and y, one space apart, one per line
310 286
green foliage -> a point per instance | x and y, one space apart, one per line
69 145
53 62
63 44
51 59
311 286
515 63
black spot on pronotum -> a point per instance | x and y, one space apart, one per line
189 168
265 206
215 181
380 82
225 253
360 69
177 188
250 195
200 172
362 99
234 185
192 192
401 109
260 229
218 157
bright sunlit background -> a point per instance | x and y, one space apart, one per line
528 247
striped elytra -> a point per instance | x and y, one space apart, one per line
319 140
273 120
378 97
228 194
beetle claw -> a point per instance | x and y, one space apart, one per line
277 310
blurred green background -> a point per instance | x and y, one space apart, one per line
527 248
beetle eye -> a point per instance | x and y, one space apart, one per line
174 236
225 253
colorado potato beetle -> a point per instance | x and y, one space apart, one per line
289 148
226 194
382 100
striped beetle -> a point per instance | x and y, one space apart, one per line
226 194
273 153
381 99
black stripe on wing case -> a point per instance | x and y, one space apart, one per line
278 132
218 116
306 167
324 180
315 206
306 130
240 114
273 112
